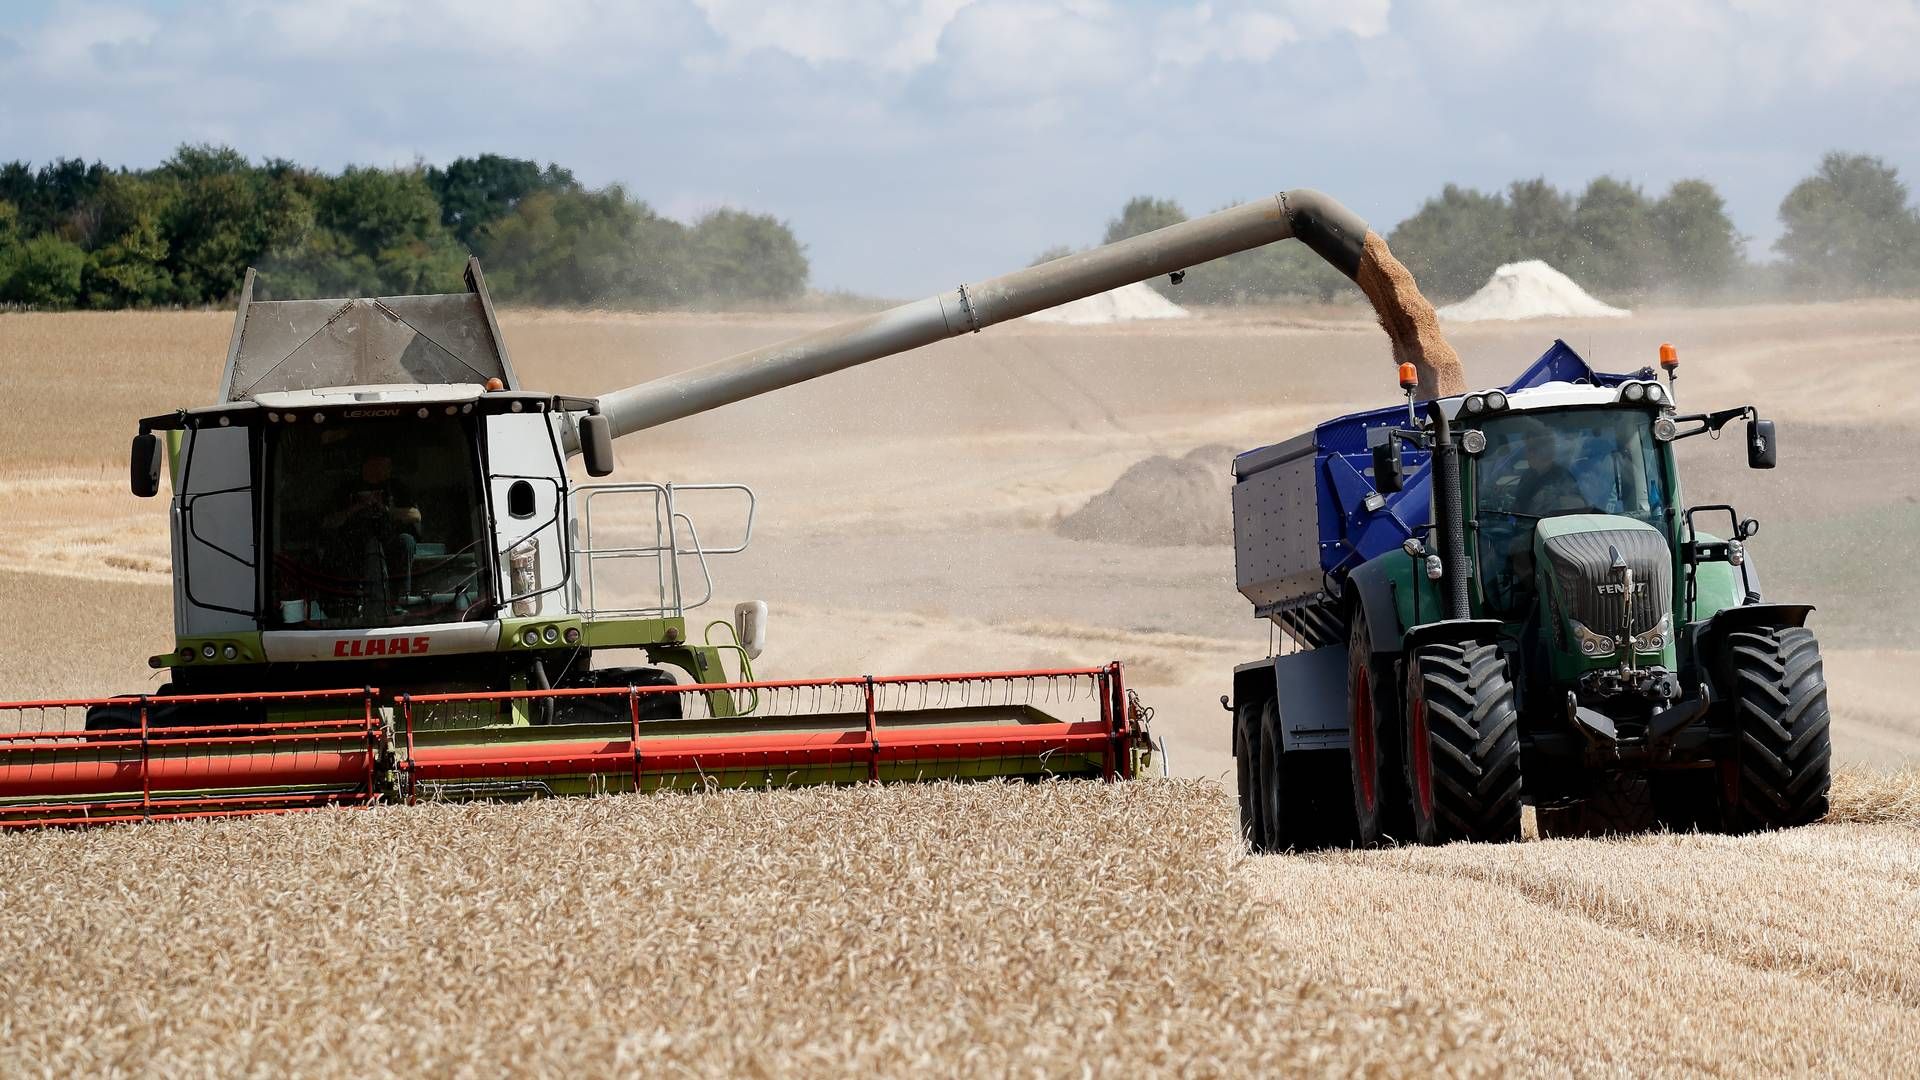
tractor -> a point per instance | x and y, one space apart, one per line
1499 598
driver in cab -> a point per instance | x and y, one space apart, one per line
1547 485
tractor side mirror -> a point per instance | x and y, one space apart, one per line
1762 451
145 471
596 444
1389 475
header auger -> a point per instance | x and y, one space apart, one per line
375 500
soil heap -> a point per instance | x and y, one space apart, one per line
1529 290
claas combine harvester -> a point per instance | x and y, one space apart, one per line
389 586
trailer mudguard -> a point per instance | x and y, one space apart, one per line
1309 689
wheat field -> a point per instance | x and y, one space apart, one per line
907 512
982 930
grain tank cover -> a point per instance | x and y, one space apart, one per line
289 345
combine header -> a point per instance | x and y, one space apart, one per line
387 584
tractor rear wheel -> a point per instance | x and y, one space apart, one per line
1246 770
1462 744
1782 762
1373 741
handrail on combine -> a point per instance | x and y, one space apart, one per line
124 764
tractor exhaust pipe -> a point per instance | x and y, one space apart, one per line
1330 229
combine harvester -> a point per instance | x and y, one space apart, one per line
1496 597
387 586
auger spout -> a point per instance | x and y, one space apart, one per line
1315 219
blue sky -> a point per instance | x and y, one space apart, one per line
914 144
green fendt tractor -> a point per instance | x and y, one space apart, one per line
1500 598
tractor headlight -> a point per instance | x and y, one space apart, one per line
1655 639
1591 644
1635 392
1655 394
1496 401
1475 405
1736 552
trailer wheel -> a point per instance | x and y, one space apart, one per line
1462 744
1373 741
1305 797
1246 770
1782 763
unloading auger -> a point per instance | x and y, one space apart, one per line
387 586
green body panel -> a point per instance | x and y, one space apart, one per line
246 647
1568 662
1719 586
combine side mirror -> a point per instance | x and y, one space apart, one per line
596 444
750 627
1389 474
1762 452
145 473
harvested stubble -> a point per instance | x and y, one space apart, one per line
985 929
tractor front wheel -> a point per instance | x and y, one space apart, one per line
1782 762
1462 744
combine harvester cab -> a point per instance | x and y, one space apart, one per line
1500 597
389 586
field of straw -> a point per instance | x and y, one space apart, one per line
977 930
908 515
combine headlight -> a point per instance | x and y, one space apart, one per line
186 652
1592 644
550 635
572 635
530 637
1475 405
230 653
1635 392
1496 401
209 651
1655 639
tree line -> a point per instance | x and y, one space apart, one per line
1848 229
79 235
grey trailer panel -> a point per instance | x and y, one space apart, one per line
1312 697
1276 524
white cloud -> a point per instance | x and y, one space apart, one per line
892 35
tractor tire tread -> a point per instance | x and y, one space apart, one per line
1784 751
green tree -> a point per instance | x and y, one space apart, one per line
1539 223
225 216
1849 228
1455 241
1143 214
587 247
1699 249
475 192
738 256
45 272
1617 249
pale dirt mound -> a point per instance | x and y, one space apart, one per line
1162 502
1529 290
1409 320
1128 303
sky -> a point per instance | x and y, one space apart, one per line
915 144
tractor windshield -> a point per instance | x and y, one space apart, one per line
374 523
1573 461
